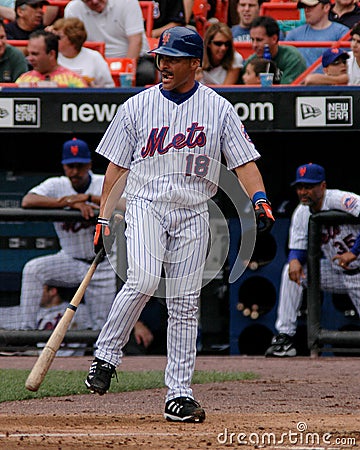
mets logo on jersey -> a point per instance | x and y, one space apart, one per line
349 202
193 137
247 137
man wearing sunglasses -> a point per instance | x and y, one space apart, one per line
334 63
29 17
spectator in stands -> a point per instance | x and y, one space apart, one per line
247 11
353 64
86 62
43 53
334 63
79 189
318 27
340 247
221 63
346 12
7 10
29 18
288 59
120 25
257 66
12 61
167 14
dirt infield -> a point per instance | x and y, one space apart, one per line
296 403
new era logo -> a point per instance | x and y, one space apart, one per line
309 111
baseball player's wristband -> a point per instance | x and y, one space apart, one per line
300 255
259 196
89 198
103 221
356 247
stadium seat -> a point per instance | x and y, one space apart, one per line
221 10
60 4
147 8
200 10
244 48
280 10
122 65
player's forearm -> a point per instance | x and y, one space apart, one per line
113 188
31 200
41 201
250 178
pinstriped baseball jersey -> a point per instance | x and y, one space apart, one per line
175 149
76 239
335 239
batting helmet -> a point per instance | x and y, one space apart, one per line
180 42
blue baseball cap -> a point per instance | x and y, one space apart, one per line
309 173
75 151
330 55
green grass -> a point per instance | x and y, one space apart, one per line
59 383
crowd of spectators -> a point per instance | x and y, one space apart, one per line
98 20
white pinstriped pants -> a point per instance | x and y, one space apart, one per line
331 280
161 235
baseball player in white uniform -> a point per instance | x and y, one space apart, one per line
165 144
340 266
53 303
79 189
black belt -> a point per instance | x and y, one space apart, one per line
352 272
87 261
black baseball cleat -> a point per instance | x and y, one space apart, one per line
184 409
99 377
282 346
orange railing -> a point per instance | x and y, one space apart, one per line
95 45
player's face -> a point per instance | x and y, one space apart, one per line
311 194
259 38
177 74
78 174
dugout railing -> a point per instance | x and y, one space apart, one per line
12 340
319 337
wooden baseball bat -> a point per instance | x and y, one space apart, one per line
48 353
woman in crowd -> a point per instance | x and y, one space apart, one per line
221 63
88 63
